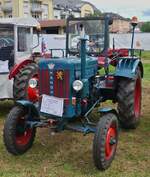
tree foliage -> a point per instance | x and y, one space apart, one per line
97 13
145 27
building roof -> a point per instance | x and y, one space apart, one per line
30 22
52 23
74 5
116 16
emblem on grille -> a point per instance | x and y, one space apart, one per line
51 66
59 75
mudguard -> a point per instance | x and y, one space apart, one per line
108 110
30 107
126 67
19 66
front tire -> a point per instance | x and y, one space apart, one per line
17 135
129 97
105 141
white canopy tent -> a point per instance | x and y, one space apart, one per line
29 22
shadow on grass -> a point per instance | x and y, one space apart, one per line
5 107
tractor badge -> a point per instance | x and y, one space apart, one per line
59 75
51 66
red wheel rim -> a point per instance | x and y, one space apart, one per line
33 93
137 98
111 141
23 134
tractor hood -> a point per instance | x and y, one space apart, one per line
72 64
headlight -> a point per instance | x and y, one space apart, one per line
77 85
33 83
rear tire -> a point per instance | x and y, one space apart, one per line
105 141
21 83
17 136
129 97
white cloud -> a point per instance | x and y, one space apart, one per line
127 8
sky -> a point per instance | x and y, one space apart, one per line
126 8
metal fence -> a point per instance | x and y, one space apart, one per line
142 41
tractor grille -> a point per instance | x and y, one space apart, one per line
44 82
61 87
51 85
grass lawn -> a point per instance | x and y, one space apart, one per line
146 55
69 154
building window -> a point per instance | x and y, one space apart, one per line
45 13
8 15
36 15
87 14
63 17
23 39
26 8
26 14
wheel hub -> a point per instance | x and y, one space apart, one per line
23 133
137 99
110 142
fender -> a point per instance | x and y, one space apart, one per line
108 110
126 67
119 52
17 67
30 107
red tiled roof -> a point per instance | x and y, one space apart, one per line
52 23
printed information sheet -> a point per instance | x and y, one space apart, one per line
52 105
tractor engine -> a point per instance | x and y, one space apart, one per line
104 86
57 78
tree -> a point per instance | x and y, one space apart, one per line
145 27
97 13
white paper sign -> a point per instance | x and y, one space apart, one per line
52 105
4 66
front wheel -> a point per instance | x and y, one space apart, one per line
105 141
18 136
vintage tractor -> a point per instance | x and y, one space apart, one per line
17 62
71 87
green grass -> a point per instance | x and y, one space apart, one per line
147 71
146 55
69 154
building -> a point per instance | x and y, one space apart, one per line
75 8
53 26
120 24
40 9
62 10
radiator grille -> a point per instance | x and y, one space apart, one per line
51 85
61 87
44 82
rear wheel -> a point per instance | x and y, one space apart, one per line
21 88
129 97
105 141
18 136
